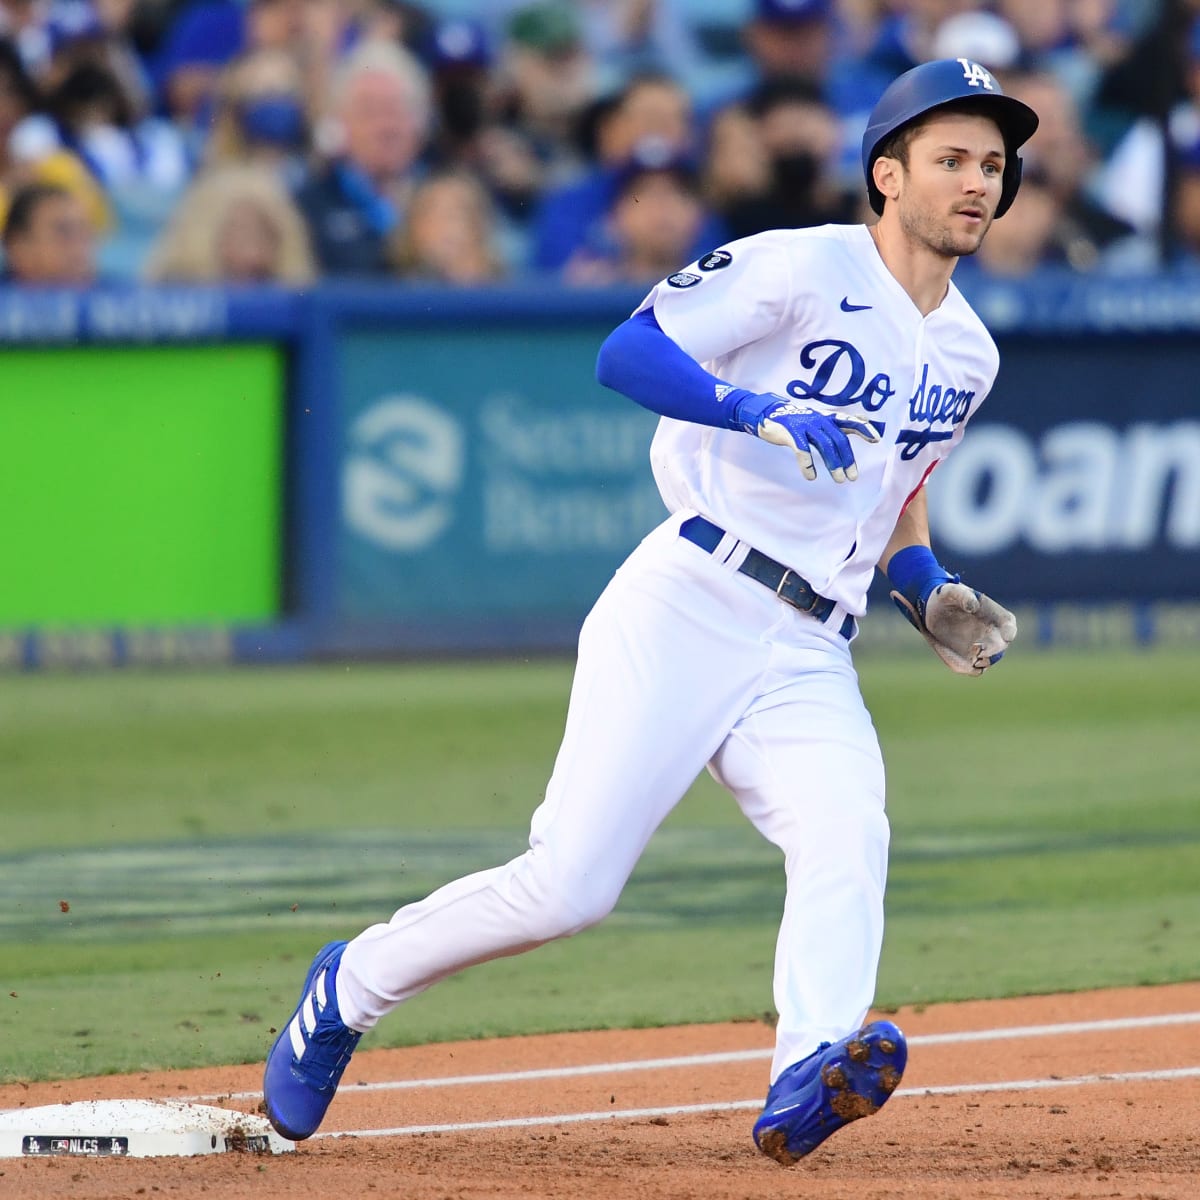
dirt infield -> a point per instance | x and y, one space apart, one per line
1073 1097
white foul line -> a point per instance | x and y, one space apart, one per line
733 1056
1109 1025
633 1114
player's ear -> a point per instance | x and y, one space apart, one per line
886 174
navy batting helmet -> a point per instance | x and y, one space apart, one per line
933 85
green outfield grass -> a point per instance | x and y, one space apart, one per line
207 831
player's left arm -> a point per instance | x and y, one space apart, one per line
967 630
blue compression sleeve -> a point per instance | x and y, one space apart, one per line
640 361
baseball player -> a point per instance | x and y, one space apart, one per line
808 381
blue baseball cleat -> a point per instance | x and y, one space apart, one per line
310 1053
833 1086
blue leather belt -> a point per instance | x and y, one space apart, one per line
790 587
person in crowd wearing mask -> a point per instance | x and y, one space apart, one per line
848 52
206 36
450 234
380 121
801 139
736 164
469 136
652 225
260 115
650 117
459 57
236 224
48 239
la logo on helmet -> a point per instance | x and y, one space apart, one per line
976 75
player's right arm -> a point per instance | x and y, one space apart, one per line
640 361
967 630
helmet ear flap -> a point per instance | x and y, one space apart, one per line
1011 182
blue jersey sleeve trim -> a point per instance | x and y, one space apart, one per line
640 361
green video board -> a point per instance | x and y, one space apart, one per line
140 485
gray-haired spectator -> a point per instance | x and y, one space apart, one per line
376 131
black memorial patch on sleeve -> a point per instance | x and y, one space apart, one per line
716 260
683 279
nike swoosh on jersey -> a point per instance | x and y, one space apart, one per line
848 307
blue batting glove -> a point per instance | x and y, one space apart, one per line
805 430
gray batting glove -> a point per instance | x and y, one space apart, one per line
968 631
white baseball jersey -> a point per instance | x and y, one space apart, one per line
684 661
815 315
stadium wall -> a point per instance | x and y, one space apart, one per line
256 475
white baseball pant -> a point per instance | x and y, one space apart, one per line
682 662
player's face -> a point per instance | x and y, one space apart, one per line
950 189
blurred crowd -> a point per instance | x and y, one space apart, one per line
595 142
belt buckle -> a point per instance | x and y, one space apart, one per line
812 595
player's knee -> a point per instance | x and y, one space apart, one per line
560 900
592 905
840 835
557 918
